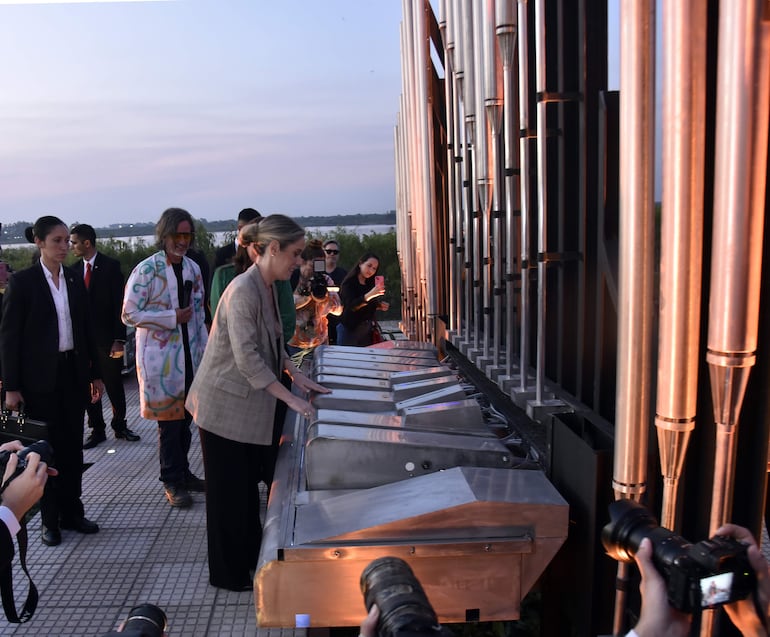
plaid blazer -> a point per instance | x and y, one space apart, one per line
244 354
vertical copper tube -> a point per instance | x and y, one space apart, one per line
684 106
427 179
740 165
636 254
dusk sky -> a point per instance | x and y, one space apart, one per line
113 111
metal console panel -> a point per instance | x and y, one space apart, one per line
344 457
477 539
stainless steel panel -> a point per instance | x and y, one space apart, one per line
413 349
403 391
465 414
393 377
342 457
356 364
384 356
342 417
334 381
446 394
355 400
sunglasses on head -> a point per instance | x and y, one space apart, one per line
331 251
182 236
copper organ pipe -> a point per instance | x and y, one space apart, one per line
684 106
636 254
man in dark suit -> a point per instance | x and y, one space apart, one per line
104 282
226 253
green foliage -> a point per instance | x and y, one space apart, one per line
353 247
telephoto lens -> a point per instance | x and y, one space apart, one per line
404 608
146 620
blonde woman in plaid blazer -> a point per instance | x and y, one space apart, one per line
233 398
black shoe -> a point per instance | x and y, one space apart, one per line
94 439
51 537
83 525
126 434
194 483
178 496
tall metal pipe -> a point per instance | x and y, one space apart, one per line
684 109
464 157
542 196
483 181
447 36
493 104
471 115
524 180
739 199
505 27
636 255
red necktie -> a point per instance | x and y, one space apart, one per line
88 275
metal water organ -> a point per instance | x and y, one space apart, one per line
541 260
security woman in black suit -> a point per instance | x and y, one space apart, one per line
49 363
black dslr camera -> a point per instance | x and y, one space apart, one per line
404 608
703 575
41 447
317 287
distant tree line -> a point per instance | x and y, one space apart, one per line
14 232
352 247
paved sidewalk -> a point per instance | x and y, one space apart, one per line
146 552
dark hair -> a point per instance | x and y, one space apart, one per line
278 228
248 215
84 232
241 260
356 269
334 241
42 228
168 223
313 250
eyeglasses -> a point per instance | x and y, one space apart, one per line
182 236
331 251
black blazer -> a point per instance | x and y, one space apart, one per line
29 332
224 255
106 295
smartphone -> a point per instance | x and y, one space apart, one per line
379 281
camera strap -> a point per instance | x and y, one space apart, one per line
6 585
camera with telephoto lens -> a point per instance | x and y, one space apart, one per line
146 620
317 287
404 607
703 575
41 447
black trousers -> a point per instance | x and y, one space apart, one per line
113 383
63 410
233 471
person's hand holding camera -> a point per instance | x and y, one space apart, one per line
369 625
745 613
657 618
27 488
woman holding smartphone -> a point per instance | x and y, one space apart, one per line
360 293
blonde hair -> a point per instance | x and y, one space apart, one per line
278 228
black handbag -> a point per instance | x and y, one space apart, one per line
19 427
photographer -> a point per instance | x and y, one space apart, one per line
658 618
19 495
313 301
